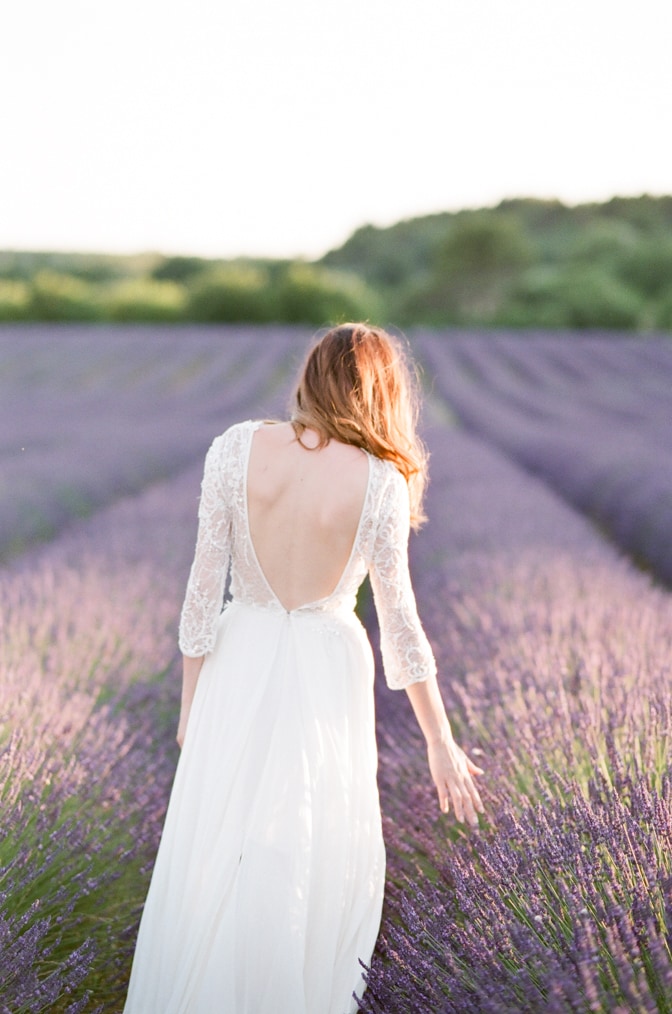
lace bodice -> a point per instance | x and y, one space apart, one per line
379 548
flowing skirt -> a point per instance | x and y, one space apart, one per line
268 884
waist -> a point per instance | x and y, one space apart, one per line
340 612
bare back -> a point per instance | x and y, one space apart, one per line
304 507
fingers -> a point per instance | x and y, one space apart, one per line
464 807
450 794
453 773
458 805
465 799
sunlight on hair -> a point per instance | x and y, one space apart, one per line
357 386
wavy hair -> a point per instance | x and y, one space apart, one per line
358 386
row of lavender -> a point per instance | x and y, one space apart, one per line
88 691
555 658
88 658
591 415
90 413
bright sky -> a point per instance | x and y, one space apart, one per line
276 127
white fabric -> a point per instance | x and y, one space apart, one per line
268 884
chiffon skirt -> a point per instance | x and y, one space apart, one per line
268 884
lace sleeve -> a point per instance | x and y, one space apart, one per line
407 655
205 587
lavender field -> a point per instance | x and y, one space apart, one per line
592 415
554 651
88 414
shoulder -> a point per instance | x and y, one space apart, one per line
238 430
389 485
234 436
227 448
387 472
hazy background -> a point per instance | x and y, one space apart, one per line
270 129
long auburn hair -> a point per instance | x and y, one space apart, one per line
357 387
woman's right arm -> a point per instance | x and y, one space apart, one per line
408 659
451 770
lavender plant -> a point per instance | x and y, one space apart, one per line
554 656
591 415
88 681
87 692
90 413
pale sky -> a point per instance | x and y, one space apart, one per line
277 127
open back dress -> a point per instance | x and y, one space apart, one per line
267 890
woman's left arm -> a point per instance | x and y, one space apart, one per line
207 578
191 668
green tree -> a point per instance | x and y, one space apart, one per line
180 269
59 297
647 266
231 293
311 295
474 269
663 311
145 299
605 241
578 296
14 300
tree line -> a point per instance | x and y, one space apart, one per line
524 263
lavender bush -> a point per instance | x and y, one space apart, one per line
90 413
555 660
88 680
591 415
88 688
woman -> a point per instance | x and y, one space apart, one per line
268 884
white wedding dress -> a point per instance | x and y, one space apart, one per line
268 883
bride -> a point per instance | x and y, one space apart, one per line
268 883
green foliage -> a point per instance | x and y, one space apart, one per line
649 215
145 300
58 297
474 267
605 242
294 293
663 316
25 264
578 296
484 242
14 300
310 295
232 292
392 257
647 266
526 262
179 269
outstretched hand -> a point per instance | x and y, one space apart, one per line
453 774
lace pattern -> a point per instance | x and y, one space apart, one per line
380 548
407 655
207 578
